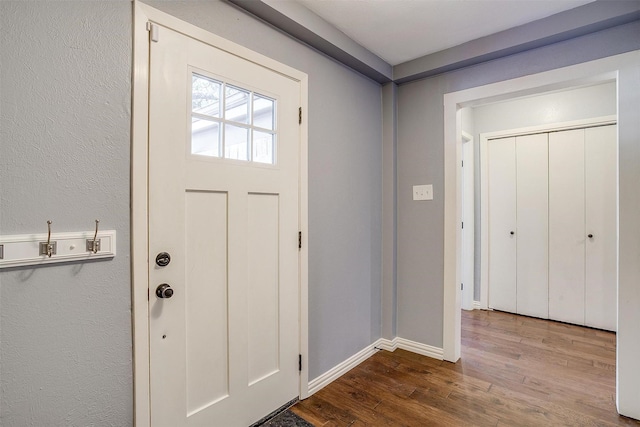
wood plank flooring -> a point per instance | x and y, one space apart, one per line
514 371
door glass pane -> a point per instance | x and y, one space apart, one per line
263 147
236 142
205 137
205 95
231 122
236 104
263 112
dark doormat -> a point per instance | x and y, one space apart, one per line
286 419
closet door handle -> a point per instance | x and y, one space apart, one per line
590 236
512 232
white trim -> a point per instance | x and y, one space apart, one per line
381 344
303 219
139 185
598 71
467 258
419 348
412 346
385 344
342 368
139 216
477 305
551 127
484 182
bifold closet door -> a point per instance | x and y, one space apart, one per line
567 226
601 160
532 170
502 224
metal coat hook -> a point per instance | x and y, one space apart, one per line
48 248
94 245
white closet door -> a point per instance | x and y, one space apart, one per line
566 226
502 224
532 216
601 217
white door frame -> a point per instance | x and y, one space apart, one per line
139 193
484 183
623 68
468 256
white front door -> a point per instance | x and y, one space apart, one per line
223 204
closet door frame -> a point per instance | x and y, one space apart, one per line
484 183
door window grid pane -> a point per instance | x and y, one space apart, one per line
263 147
237 103
205 96
205 137
249 120
263 112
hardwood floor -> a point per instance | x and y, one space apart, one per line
514 371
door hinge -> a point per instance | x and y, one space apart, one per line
153 31
299 239
299 363
462 286
462 224
300 115
463 163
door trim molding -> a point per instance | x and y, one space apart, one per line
468 257
139 193
484 182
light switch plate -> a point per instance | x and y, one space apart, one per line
423 192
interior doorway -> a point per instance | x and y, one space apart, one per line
597 71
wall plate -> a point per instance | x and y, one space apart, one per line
423 192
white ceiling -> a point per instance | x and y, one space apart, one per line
400 30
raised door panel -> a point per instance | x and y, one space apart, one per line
601 218
532 231
566 226
502 224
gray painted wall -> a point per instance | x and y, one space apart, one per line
582 103
65 341
421 156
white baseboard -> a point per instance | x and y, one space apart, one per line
341 369
385 344
412 346
381 344
477 305
419 348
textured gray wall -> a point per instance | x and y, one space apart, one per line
421 157
65 342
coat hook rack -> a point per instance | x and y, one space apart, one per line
94 245
48 248
20 250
